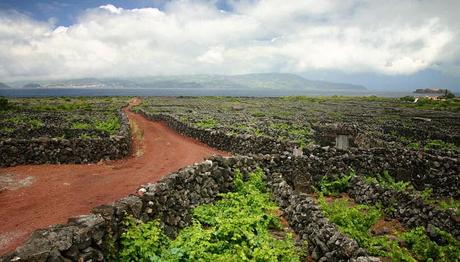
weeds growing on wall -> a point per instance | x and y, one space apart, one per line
236 228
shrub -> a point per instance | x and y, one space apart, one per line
110 126
208 123
143 241
3 103
425 249
407 99
387 181
235 228
80 126
329 186
27 121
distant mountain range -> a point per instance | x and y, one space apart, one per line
248 81
4 86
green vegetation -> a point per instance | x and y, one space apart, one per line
3 103
426 103
24 120
80 126
424 249
387 181
207 123
429 144
236 228
356 221
300 133
439 144
7 129
407 99
302 119
334 186
449 203
58 114
111 126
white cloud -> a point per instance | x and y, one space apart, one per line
186 37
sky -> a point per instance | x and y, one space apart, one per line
381 44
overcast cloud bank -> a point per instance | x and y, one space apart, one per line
194 37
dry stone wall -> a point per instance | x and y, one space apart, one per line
94 237
422 169
408 208
77 150
241 144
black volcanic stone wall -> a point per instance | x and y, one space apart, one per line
88 237
241 144
422 169
408 208
77 150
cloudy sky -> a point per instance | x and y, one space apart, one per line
384 44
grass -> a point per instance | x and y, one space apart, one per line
236 228
357 220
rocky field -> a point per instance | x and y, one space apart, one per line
61 118
383 172
316 179
367 122
63 130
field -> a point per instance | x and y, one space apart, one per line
64 118
382 226
312 178
369 121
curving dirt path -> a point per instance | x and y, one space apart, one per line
40 195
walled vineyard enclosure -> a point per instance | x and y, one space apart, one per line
63 130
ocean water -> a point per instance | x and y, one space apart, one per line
57 92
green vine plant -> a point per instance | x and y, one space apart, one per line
238 227
387 181
356 221
331 186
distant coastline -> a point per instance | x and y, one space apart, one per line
58 92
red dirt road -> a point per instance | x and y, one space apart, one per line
41 195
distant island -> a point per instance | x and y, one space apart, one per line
431 91
275 81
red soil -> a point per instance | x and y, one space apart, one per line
57 192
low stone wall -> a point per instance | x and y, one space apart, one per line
422 169
408 208
94 237
78 150
325 242
241 144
